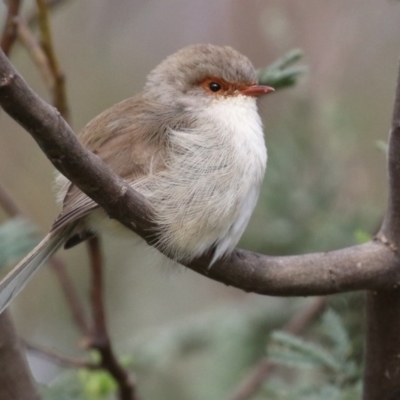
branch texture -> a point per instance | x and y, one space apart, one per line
382 370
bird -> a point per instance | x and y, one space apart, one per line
192 142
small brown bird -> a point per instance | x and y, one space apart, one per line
191 142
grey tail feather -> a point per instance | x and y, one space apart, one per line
17 278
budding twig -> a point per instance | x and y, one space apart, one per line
59 90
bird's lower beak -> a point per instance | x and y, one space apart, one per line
257 90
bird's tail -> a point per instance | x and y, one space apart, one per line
16 279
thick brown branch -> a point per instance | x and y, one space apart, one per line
369 266
382 369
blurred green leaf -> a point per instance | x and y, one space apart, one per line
362 236
282 73
17 237
382 146
97 384
284 345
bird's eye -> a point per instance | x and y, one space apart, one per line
214 87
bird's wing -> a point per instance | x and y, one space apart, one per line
131 138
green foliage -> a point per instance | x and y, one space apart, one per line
17 237
66 387
97 385
362 236
301 207
282 73
335 375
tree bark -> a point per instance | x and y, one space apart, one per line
382 360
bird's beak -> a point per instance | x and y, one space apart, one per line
256 90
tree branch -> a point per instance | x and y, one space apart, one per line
382 369
99 338
37 54
60 359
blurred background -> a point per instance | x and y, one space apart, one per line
325 186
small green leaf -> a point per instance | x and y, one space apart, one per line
17 237
362 236
97 384
282 73
334 329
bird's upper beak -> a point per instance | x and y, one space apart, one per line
256 90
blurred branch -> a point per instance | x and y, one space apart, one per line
60 359
16 382
99 335
99 338
8 204
282 73
35 51
10 32
58 88
253 382
373 265
70 293
33 16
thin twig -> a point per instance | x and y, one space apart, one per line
71 294
8 204
254 380
100 339
36 52
58 266
59 90
33 16
99 335
60 359
10 32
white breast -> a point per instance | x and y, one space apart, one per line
208 192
